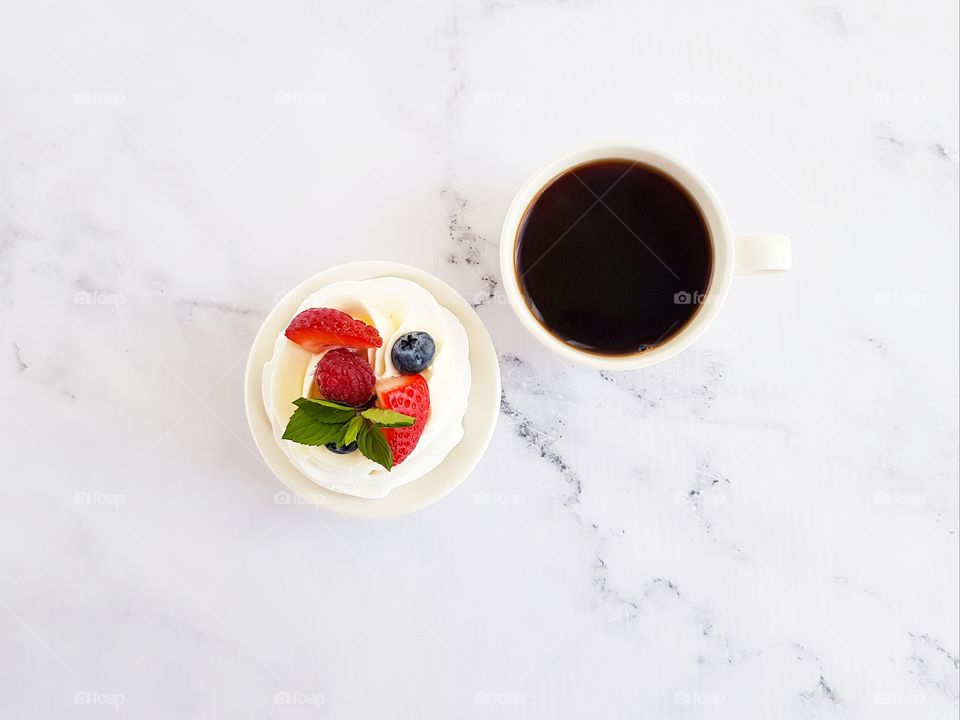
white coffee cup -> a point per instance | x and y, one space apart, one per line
750 255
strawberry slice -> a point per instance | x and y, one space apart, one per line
410 395
319 328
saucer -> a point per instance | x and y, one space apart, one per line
483 405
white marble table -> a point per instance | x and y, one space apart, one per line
765 527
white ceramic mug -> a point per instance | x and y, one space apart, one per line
751 255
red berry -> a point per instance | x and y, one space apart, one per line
410 395
318 328
343 376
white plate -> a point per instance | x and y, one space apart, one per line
483 406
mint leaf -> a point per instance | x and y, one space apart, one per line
387 418
338 440
305 429
374 445
320 422
324 411
351 430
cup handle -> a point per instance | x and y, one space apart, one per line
763 254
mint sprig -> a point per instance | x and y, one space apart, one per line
374 445
325 411
352 429
387 418
319 422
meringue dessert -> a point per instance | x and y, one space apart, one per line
368 385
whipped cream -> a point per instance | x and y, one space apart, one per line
394 306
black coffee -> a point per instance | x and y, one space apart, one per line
614 257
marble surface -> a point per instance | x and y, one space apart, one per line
764 527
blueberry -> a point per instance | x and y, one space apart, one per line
332 447
413 352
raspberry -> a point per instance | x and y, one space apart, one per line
343 376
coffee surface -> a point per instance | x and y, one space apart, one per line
614 257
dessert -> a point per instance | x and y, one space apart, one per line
368 385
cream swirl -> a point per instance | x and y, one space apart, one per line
394 306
